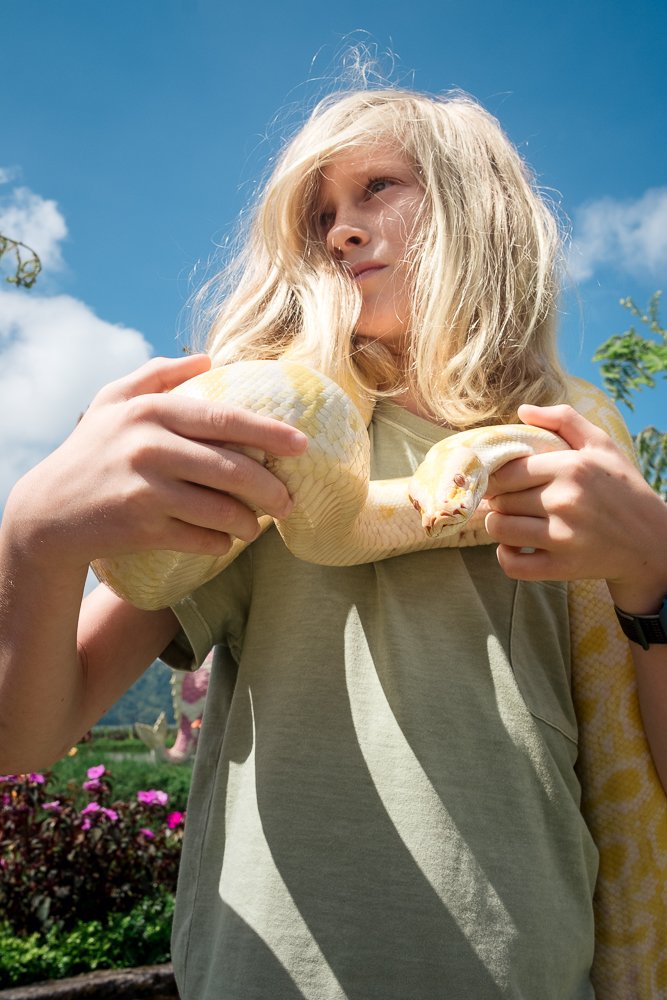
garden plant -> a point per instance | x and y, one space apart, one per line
84 886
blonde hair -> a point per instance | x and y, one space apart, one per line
484 264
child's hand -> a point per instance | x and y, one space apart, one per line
147 469
588 513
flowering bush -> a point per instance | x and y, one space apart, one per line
61 864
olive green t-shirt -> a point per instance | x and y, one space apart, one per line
384 805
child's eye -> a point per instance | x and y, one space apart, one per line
325 220
378 184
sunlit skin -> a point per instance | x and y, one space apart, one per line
368 206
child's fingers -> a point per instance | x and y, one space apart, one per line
524 474
195 513
157 375
526 564
215 422
193 418
217 472
518 531
563 420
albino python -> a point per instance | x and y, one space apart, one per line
338 520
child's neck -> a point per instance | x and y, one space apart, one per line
408 401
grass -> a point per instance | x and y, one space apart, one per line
131 768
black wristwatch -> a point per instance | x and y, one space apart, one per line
645 629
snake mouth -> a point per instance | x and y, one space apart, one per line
434 524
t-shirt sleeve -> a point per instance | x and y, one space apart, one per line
214 613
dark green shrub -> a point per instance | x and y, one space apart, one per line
140 937
62 864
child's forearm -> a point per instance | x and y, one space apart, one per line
41 682
62 664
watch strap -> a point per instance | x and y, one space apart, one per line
646 630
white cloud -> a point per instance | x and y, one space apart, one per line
8 174
36 221
55 353
630 236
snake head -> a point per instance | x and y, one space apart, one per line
447 488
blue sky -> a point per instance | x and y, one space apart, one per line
133 134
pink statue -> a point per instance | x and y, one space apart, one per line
188 692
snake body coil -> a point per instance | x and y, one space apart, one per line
339 517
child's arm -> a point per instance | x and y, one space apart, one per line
589 514
143 469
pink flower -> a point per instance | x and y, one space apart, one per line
147 833
152 797
95 807
175 819
96 772
92 786
36 779
52 806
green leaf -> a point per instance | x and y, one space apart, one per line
630 362
651 445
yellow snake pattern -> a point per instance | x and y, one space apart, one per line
623 801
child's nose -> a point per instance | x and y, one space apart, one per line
344 235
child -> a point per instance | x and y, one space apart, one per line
384 803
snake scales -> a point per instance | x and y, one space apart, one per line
332 523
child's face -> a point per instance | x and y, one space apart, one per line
368 205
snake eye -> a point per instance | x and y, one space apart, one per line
459 479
